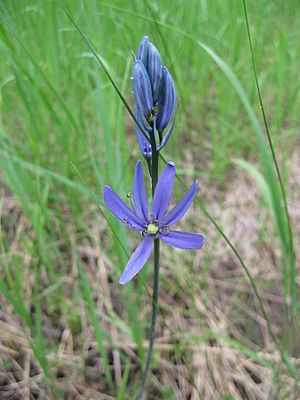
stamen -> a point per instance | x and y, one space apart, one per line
165 229
129 196
127 220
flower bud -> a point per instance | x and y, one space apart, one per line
166 100
142 89
142 53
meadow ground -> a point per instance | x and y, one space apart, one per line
68 330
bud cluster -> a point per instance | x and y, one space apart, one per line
155 97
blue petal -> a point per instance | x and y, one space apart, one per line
184 240
142 88
167 134
137 260
154 69
181 207
166 100
144 144
163 192
121 211
142 53
139 193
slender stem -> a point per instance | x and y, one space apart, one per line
154 178
149 164
154 174
153 317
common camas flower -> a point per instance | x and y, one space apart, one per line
158 225
155 97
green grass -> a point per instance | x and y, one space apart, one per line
64 132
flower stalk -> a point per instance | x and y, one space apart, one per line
154 179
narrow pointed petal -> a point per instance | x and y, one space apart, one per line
184 240
142 53
181 207
163 192
154 69
167 134
139 193
121 211
144 144
142 88
166 100
137 260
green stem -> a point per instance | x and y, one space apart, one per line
154 178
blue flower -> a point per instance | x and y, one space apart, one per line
158 225
155 95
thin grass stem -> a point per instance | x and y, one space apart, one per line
292 257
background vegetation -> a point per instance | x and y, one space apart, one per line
67 329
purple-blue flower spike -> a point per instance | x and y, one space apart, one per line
161 221
155 97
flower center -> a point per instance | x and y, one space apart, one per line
152 229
